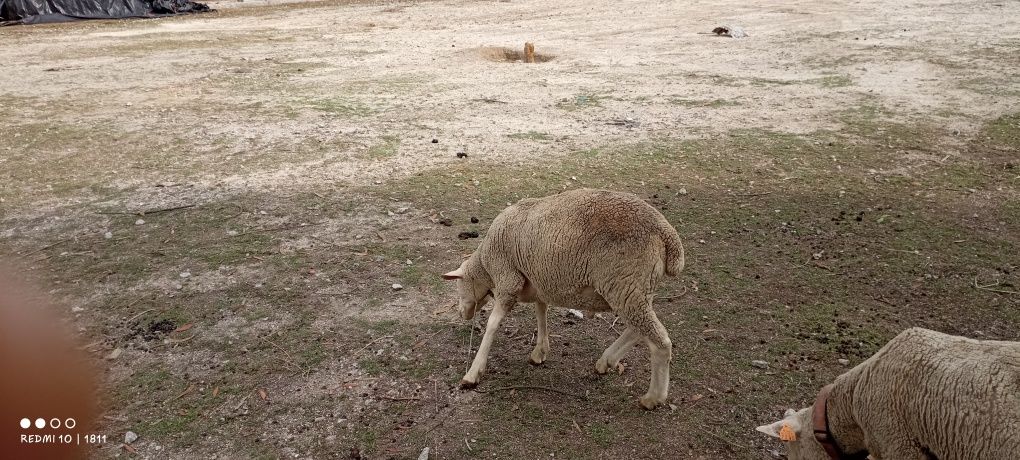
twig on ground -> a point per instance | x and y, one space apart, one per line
371 343
988 287
675 296
186 391
727 441
467 444
147 213
754 194
48 246
531 387
289 359
390 398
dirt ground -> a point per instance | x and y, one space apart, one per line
221 204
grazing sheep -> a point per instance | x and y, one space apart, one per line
924 396
584 249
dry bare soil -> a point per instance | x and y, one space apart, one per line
848 170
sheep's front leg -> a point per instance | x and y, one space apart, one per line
538 355
474 374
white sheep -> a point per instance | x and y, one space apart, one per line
594 250
925 395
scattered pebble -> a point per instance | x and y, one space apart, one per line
682 191
115 353
577 313
185 274
232 233
397 287
130 436
474 220
108 235
466 235
140 222
424 455
760 364
845 362
77 309
408 262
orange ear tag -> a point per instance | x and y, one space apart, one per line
787 434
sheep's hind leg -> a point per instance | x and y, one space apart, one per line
642 318
612 356
474 374
538 355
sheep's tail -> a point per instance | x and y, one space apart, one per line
674 257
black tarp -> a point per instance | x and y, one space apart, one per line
40 11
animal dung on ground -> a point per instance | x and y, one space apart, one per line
730 31
467 235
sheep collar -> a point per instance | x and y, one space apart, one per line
820 422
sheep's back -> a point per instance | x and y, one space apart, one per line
958 397
583 238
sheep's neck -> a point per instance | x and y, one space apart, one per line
842 425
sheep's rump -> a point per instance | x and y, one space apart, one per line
951 393
571 244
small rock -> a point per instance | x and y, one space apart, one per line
108 235
232 233
397 287
435 141
115 353
140 222
845 362
682 191
424 455
185 274
474 220
466 235
577 313
402 209
130 437
408 262
77 309
760 364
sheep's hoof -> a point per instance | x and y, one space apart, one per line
536 359
601 367
467 385
649 403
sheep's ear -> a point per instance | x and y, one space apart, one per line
785 429
454 275
772 429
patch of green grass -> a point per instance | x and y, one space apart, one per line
341 107
601 433
167 426
711 103
581 101
1005 130
833 81
386 149
531 136
371 366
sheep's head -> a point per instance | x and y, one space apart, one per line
796 431
473 287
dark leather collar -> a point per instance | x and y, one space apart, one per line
820 422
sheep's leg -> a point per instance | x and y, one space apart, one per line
642 318
470 379
612 356
538 355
